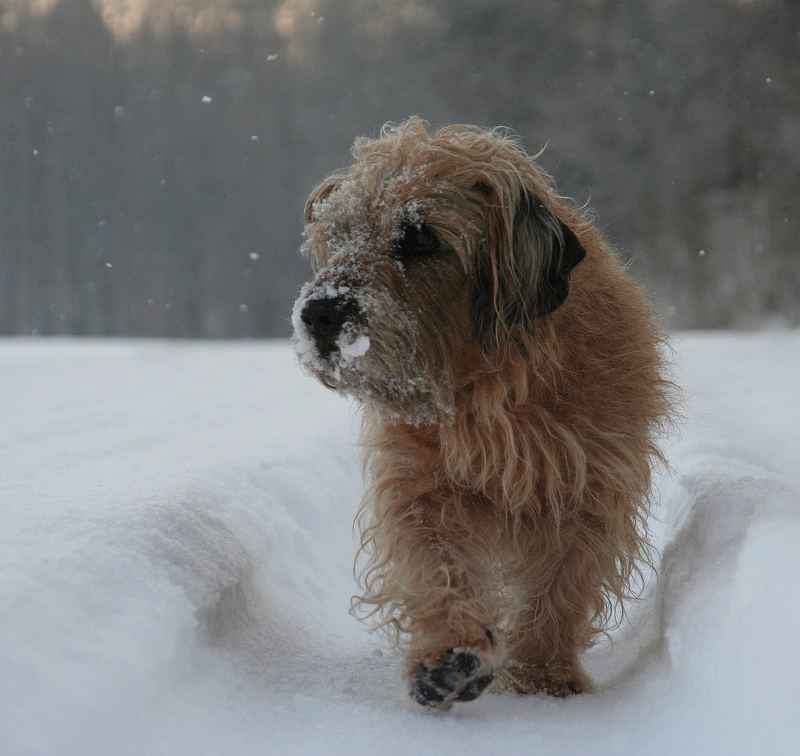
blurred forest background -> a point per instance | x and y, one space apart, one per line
155 154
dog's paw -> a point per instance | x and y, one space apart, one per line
456 674
559 682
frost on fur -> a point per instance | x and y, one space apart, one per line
513 390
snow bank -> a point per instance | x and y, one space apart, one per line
176 549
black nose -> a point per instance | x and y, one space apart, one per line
324 318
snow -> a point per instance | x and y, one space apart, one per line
352 349
176 567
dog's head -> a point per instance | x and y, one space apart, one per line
434 254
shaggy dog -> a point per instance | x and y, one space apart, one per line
513 386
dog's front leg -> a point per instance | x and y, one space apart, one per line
548 638
433 551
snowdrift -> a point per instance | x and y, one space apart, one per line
176 567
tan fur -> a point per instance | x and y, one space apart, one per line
509 480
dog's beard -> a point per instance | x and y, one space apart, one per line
358 367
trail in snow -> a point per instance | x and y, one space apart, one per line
176 567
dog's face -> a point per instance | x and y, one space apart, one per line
432 253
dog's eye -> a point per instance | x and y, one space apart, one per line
416 242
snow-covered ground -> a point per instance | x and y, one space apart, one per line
176 566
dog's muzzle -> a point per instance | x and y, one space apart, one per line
324 319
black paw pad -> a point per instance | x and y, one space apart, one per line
460 675
467 663
475 688
426 695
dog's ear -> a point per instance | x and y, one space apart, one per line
523 271
559 252
319 193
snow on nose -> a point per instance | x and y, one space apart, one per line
326 335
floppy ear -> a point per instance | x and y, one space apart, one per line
523 271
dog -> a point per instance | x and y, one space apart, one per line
514 388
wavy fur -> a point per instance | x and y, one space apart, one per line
520 501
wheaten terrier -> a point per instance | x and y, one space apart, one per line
513 385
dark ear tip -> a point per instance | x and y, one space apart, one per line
573 249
